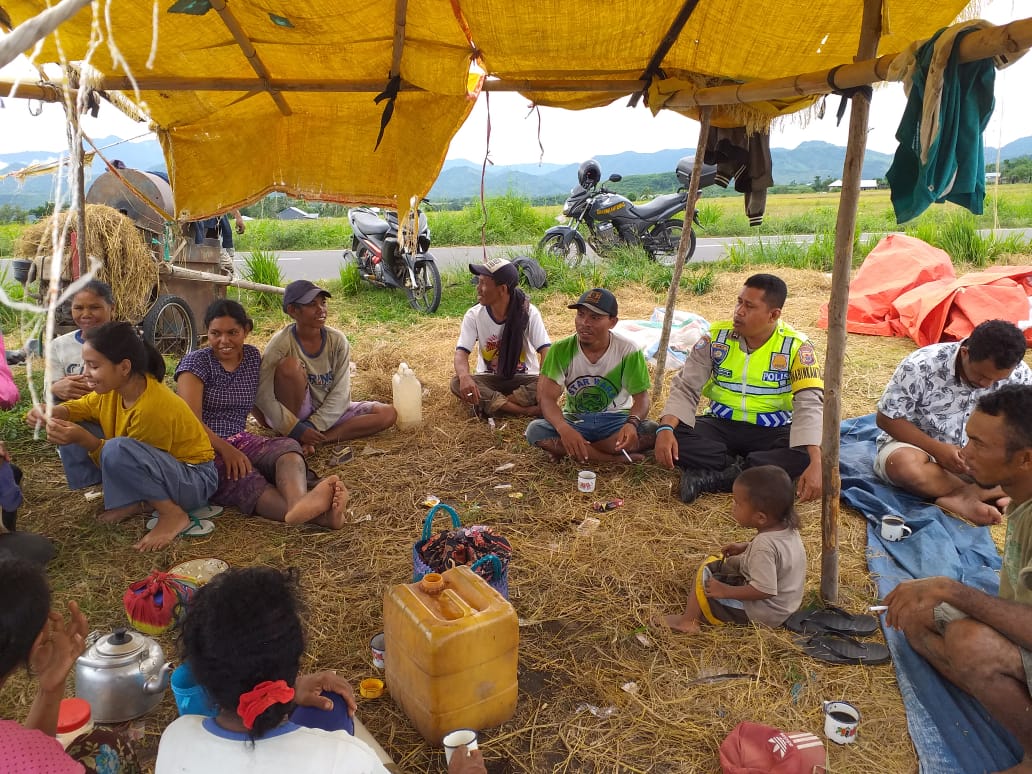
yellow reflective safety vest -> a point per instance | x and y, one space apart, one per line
758 386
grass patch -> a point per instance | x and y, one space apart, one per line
958 236
263 267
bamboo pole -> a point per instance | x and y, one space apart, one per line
251 54
400 12
845 226
216 279
682 254
996 41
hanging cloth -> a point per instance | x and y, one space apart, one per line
941 156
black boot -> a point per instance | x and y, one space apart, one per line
697 482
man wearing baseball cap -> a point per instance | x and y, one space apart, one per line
304 391
606 383
510 337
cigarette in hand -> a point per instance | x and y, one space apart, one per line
878 608
628 456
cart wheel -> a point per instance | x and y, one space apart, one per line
169 326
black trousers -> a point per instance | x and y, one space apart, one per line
714 443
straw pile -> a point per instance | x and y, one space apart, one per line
127 263
582 600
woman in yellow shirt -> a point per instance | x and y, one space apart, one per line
155 454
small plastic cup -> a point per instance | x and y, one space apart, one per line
586 481
371 688
378 647
458 738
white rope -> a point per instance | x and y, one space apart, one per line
30 32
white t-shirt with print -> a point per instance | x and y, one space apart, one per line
479 327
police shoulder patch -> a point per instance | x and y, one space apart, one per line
806 355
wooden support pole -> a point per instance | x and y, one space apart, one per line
845 227
682 254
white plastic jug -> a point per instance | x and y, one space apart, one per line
408 397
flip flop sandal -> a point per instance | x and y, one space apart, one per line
841 649
831 619
204 512
197 528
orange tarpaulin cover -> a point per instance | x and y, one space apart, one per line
906 287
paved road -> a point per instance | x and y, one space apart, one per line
325 264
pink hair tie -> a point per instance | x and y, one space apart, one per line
260 698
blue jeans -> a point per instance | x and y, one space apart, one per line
594 427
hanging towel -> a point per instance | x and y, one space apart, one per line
941 156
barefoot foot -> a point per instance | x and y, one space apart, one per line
116 515
678 623
968 506
334 516
315 503
165 531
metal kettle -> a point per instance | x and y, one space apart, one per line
123 675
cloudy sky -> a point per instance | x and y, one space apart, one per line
569 135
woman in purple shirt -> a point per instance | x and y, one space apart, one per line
257 474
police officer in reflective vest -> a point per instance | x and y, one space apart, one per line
766 400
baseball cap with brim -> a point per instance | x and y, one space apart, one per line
597 300
302 292
753 748
502 271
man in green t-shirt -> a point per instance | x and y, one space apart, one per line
981 643
606 383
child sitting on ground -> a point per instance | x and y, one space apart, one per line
760 581
243 638
304 391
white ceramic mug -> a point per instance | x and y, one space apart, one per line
458 738
586 481
893 528
841 720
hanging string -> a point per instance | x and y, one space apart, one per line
483 175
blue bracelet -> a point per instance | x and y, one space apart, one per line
661 428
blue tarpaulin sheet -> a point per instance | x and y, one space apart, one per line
951 731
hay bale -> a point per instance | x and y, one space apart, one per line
127 263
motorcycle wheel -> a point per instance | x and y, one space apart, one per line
665 238
571 254
426 296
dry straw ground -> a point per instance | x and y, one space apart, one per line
581 600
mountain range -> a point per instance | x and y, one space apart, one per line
460 178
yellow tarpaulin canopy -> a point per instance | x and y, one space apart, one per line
251 97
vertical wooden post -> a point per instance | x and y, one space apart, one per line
845 226
682 252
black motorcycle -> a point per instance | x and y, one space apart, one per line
384 262
612 219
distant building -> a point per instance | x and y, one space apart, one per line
294 213
992 177
865 185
